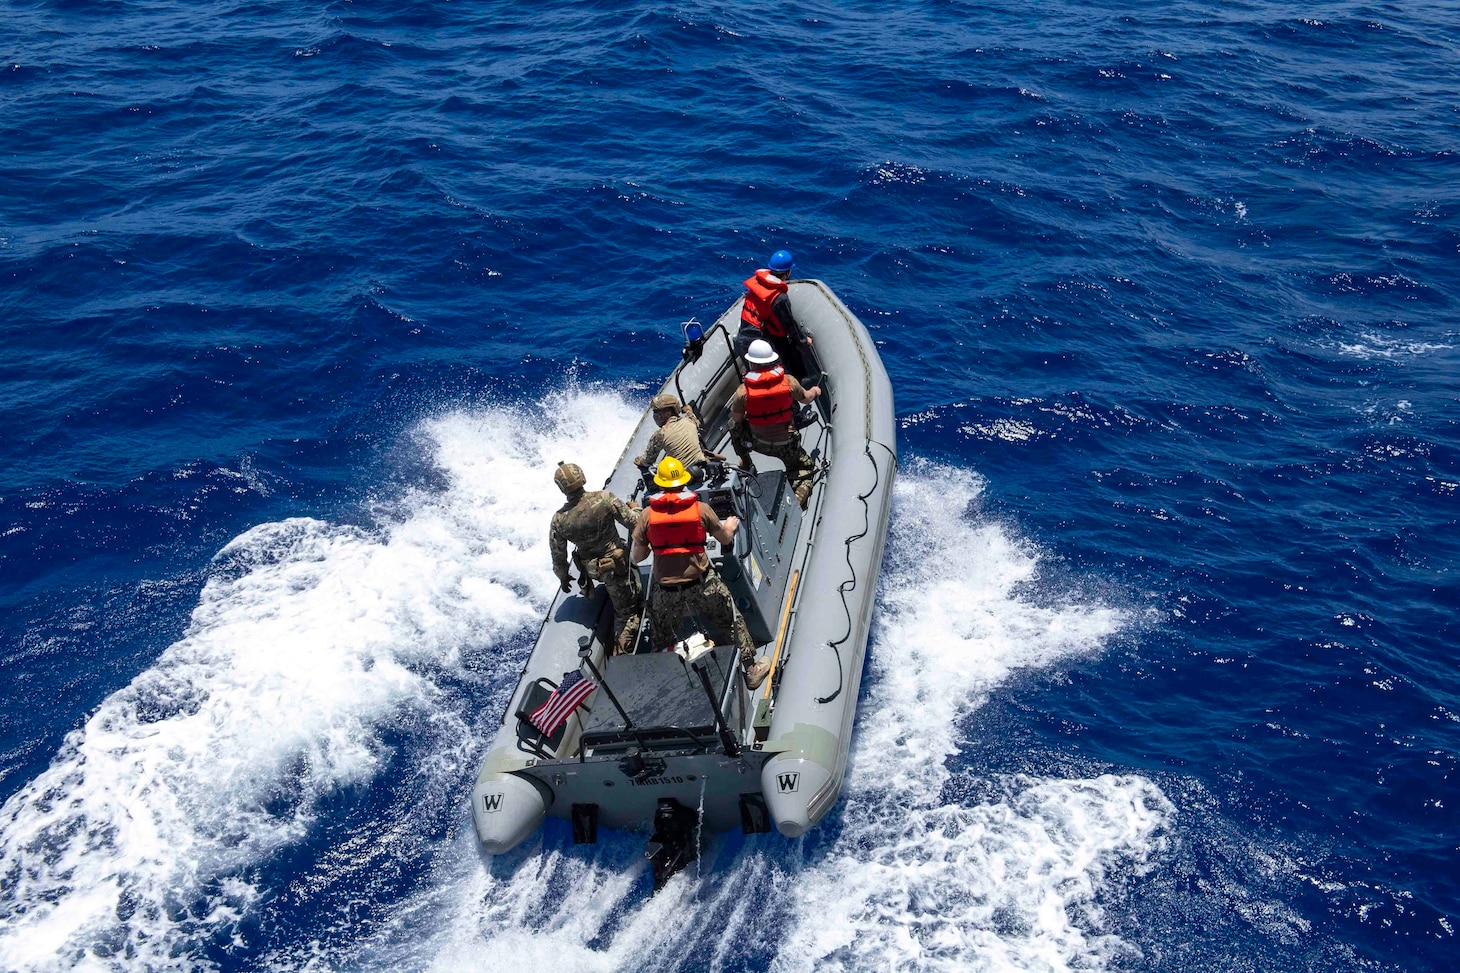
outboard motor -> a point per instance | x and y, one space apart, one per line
675 842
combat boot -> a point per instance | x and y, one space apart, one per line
755 672
803 494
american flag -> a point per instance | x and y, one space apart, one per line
560 705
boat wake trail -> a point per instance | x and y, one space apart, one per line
900 875
147 842
915 880
174 828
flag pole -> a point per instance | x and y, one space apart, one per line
727 740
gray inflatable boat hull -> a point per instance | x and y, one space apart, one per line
809 601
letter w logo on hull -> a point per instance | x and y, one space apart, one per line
491 802
788 783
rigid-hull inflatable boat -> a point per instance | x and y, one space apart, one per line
673 742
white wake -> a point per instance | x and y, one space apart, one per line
912 880
144 839
308 643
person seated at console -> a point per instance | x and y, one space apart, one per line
678 434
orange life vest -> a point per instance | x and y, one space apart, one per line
768 397
761 291
674 523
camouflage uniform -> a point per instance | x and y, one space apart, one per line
710 600
678 437
799 468
587 520
706 595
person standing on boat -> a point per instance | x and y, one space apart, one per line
675 527
761 413
766 315
587 520
678 434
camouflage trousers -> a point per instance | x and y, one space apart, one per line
625 594
799 469
710 600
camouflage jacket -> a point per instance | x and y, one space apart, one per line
679 437
588 522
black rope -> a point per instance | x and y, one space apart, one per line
851 585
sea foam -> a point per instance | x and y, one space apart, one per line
911 879
138 843
141 844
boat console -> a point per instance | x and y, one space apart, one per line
758 568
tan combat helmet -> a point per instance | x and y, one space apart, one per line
664 401
569 478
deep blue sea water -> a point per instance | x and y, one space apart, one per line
302 302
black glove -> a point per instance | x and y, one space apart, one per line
585 585
566 584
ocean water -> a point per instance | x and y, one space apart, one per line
303 302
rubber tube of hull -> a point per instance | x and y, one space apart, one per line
505 809
821 677
790 786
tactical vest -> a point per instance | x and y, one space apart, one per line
768 397
761 291
674 523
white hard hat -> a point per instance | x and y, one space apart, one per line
761 353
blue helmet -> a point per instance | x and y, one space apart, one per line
781 261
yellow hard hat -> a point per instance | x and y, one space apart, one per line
671 473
